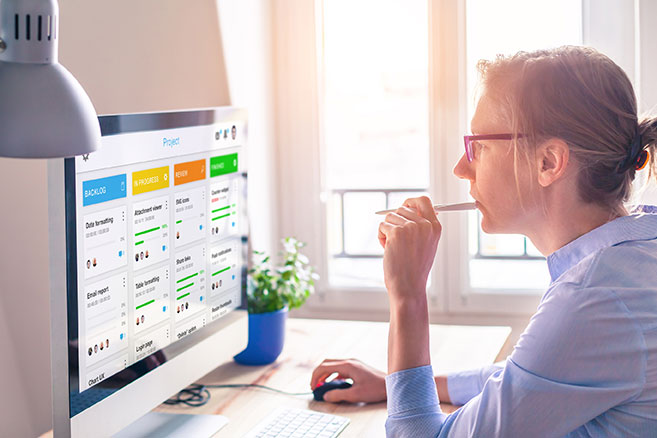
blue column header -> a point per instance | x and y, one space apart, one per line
106 189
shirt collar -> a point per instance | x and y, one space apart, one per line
640 225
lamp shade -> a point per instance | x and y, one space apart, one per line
44 111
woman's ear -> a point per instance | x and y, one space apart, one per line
552 158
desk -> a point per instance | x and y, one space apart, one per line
308 342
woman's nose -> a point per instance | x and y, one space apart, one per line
463 169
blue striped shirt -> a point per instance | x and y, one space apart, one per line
585 366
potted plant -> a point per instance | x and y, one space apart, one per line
271 293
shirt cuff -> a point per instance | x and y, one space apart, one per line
412 390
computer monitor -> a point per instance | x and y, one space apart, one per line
148 246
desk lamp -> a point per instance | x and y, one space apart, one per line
44 111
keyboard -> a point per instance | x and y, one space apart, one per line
299 423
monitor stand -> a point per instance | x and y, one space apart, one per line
164 425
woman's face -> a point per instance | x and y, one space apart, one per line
491 174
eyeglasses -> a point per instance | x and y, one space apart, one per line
469 139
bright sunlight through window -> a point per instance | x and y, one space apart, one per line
375 95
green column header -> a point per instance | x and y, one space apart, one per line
223 164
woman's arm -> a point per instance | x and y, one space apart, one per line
409 237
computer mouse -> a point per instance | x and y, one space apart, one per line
325 387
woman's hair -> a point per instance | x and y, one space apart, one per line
582 97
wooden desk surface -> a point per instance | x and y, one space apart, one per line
308 342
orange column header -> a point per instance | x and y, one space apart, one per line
191 171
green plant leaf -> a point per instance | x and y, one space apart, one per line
272 288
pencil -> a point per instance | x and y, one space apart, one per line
440 207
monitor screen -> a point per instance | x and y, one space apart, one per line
156 243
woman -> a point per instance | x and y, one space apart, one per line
557 145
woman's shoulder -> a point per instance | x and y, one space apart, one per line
630 264
619 279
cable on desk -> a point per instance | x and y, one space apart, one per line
253 385
197 394
194 395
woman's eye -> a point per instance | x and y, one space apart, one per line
476 148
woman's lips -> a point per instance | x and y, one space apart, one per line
477 203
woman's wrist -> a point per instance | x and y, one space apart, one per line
408 339
409 300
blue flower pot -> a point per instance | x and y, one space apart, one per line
266 338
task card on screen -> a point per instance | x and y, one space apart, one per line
190 282
190 216
224 303
151 232
152 342
223 268
104 241
105 318
102 372
223 209
151 299
189 327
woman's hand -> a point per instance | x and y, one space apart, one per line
369 383
409 237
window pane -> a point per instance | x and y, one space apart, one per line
501 244
532 251
506 27
334 224
503 276
396 199
375 77
360 272
374 67
361 225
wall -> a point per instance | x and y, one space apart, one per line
24 300
150 55
246 28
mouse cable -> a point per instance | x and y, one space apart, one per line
197 394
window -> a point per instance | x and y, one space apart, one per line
373 99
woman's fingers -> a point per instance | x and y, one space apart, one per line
409 214
327 368
391 220
382 238
350 395
368 383
423 206
397 217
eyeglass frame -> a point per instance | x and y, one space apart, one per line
468 139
